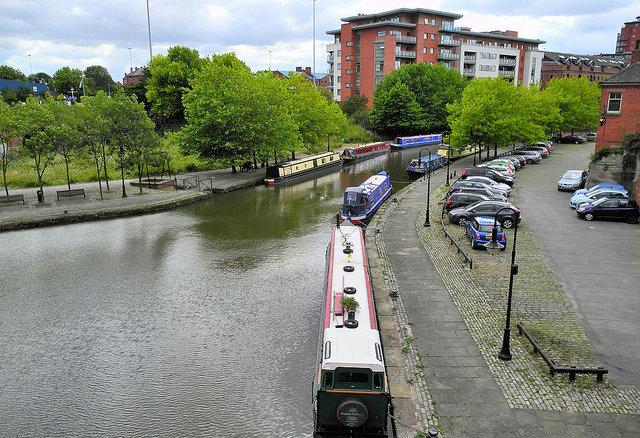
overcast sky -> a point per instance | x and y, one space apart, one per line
45 35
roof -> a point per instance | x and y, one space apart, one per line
628 76
499 36
401 11
557 58
37 88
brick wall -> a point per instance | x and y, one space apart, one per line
612 127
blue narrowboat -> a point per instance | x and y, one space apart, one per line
416 140
421 165
361 202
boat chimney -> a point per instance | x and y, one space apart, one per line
338 220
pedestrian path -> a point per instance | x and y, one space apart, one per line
448 370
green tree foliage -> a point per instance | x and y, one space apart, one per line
65 79
9 95
577 101
23 92
353 104
97 78
40 78
94 131
168 82
11 74
428 87
8 131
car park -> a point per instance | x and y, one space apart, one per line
462 199
576 200
590 136
507 212
490 173
490 183
598 187
480 230
606 208
531 157
577 139
478 187
572 180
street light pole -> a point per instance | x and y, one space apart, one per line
494 247
448 153
427 168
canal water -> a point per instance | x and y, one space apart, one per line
201 321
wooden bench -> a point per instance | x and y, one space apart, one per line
72 192
12 198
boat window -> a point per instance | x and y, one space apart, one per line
352 377
327 350
377 381
327 382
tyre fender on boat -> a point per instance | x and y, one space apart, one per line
352 412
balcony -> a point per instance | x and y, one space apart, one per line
449 28
507 61
406 39
444 54
406 54
448 41
470 58
506 73
469 72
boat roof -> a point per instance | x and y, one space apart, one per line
428 157
370 184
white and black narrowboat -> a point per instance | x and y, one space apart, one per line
350 155
422 165
360 203
350 391
304 166
416 140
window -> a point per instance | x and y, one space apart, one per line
425 35
347 85
338 53
382 33
348 58
433 21
349 43
424 50
379 66
433 36
431 50
348 72
615 101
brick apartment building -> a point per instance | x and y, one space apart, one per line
134 76
629 34
595 67
369 46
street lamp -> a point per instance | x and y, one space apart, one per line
427 168
448 153
494 247
473 145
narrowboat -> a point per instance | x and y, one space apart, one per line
422 165
304 166
416 140
361 202
453 154
350 390
350 155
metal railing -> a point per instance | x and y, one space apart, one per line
467 259
553 368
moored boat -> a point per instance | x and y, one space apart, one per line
416 140
349 155
361 202
422 165
350 390
298 168
453 154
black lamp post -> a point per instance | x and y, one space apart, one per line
427 168
448 153
494 247
473 145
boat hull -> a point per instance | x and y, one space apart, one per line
360 203
351 155
415 141
301 168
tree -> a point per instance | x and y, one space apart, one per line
168 82
353 104
432 87
23 92
395 111
8 131
40 78
577 100
66 79
97 78
11 74
9 95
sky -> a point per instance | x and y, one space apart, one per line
46 35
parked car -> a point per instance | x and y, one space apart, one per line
543 151
499 167
504 162
485 171
480 187
572 180
532 157
517 160
605 208
598 187
591 136
491 183
544 144
577 139
462 199
506 216
480 229
576 200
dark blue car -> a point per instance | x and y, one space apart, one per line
479 230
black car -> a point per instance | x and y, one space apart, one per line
461 199
607 208
478 187
485 171
577 139
507 216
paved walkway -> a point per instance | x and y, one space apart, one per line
440 369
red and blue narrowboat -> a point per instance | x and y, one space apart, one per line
360 203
